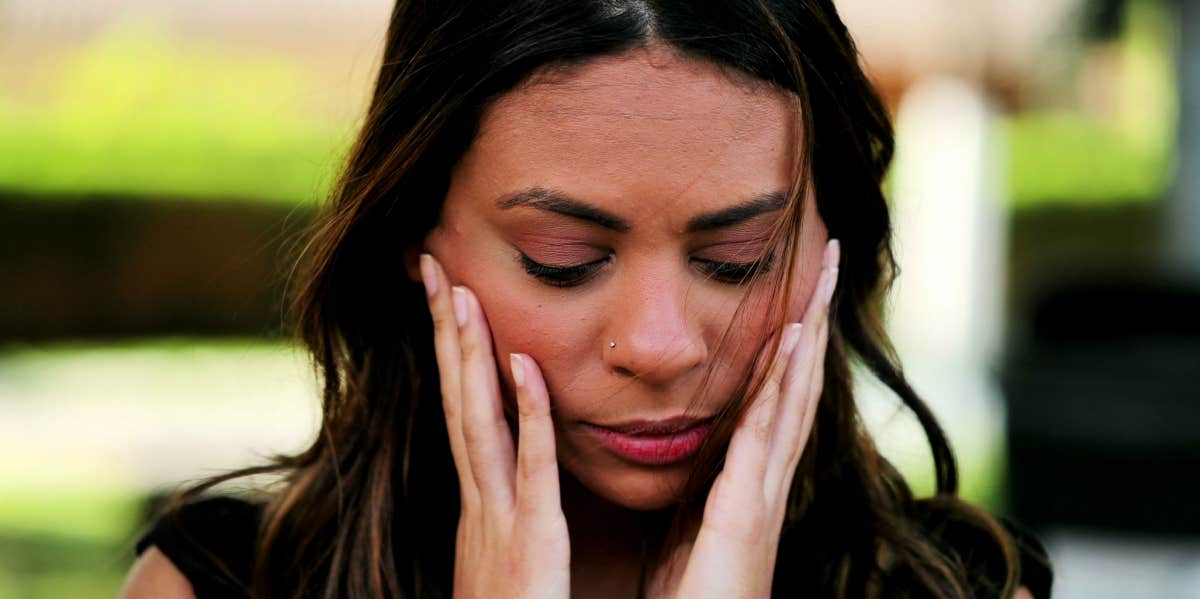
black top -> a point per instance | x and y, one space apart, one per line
211 541
202 534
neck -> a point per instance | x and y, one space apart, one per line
609 543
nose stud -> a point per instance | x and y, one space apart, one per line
612 343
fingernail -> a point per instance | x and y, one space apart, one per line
831 284
792 337
518 369
460 305
428 276
833 253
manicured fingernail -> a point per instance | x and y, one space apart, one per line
460 305
833 253
428 275
791 337
830 284
518 369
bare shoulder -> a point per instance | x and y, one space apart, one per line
1023 593
153 575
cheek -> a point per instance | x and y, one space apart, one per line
546 332
549 330
759 319
521 327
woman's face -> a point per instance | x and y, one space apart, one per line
598 207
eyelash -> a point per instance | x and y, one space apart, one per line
730 273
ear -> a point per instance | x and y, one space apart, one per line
412 262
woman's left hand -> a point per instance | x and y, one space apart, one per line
733 555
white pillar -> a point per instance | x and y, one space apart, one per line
946 311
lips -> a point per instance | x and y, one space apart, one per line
654 442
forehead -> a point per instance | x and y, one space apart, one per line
647 124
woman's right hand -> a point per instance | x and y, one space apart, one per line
512 536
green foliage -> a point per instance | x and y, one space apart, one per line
134 113
1121 153
65 544
1067 157
83 515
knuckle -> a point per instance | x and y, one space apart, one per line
442 321
469 513
528 415
471 434
469 346
761 431
450 409
534 466
772 387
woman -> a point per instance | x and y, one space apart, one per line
583 304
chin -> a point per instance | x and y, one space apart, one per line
637 488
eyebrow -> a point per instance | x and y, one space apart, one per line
767 202
560 203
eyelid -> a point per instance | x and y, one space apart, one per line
553 251
734 251
562 276
725 272
737 273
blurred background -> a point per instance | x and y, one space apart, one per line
159 159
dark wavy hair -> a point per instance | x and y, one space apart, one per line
370 508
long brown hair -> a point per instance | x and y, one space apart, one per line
370 508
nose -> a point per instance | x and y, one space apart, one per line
656 340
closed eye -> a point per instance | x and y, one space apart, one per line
734 273
562 276
731 273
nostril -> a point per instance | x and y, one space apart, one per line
621 370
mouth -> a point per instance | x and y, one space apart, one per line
654 442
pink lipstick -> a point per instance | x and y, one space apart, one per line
654 442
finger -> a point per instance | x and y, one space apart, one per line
486 433
537 465
445 342
816 386
789 458
818 302
745 460
817 309
801 391
803 380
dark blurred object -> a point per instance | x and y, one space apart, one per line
1103 407
107 267
1104 411
1104 20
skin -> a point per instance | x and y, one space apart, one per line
153 575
